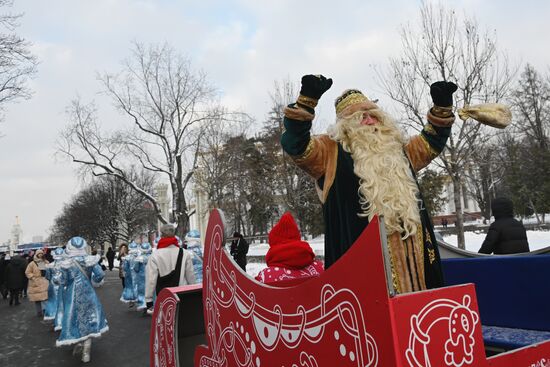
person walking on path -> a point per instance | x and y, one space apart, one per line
129 292
51 306
110 258
506 235
169 266
3 265
83 316
15 278
38 284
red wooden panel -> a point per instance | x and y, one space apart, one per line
340 318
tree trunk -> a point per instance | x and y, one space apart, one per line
183 225
459 224
534 211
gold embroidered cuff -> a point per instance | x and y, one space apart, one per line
441 121
442 111
299 114
307 101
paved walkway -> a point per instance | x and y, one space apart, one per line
26 341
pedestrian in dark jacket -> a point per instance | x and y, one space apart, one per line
16 278
110 255
239 249
506 235
3 264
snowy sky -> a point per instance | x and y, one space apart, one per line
244 46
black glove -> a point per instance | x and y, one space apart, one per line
314 86
149 304
43 273
442 93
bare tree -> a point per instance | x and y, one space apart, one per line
295 188
446 47
483 175
166 104
107 210
17 63
531 101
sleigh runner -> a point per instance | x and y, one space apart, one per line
345 317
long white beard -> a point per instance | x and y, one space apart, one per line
386 185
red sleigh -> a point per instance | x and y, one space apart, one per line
345 317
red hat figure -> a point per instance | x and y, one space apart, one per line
288 257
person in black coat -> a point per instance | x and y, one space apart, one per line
110 255
506 235
3 264
239 249
16 278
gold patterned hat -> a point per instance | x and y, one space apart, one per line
348 98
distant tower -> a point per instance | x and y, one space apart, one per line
163 201
16 235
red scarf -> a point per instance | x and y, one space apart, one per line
167 241
290 255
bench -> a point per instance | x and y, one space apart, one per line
513 294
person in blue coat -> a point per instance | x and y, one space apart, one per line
83 316
140 262
51 305
192 238
129 293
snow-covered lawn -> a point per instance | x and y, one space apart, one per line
537 240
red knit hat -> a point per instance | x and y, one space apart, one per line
286 247
286 230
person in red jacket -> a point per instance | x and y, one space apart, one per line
288 257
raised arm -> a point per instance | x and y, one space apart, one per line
424 147
310 154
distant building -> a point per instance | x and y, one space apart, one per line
16 235
37 239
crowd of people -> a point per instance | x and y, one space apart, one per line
144 272
61 284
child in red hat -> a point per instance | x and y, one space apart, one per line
288 257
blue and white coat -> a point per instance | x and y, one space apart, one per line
140 263
51 306
129 292
83 315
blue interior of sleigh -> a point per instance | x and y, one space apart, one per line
513 294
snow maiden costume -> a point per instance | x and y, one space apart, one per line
129 293
51 305
138 269
83 316
364 167
194 245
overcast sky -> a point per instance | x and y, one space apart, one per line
244 46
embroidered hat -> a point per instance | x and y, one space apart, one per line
348 98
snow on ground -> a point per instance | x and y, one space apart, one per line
537 240
260 249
